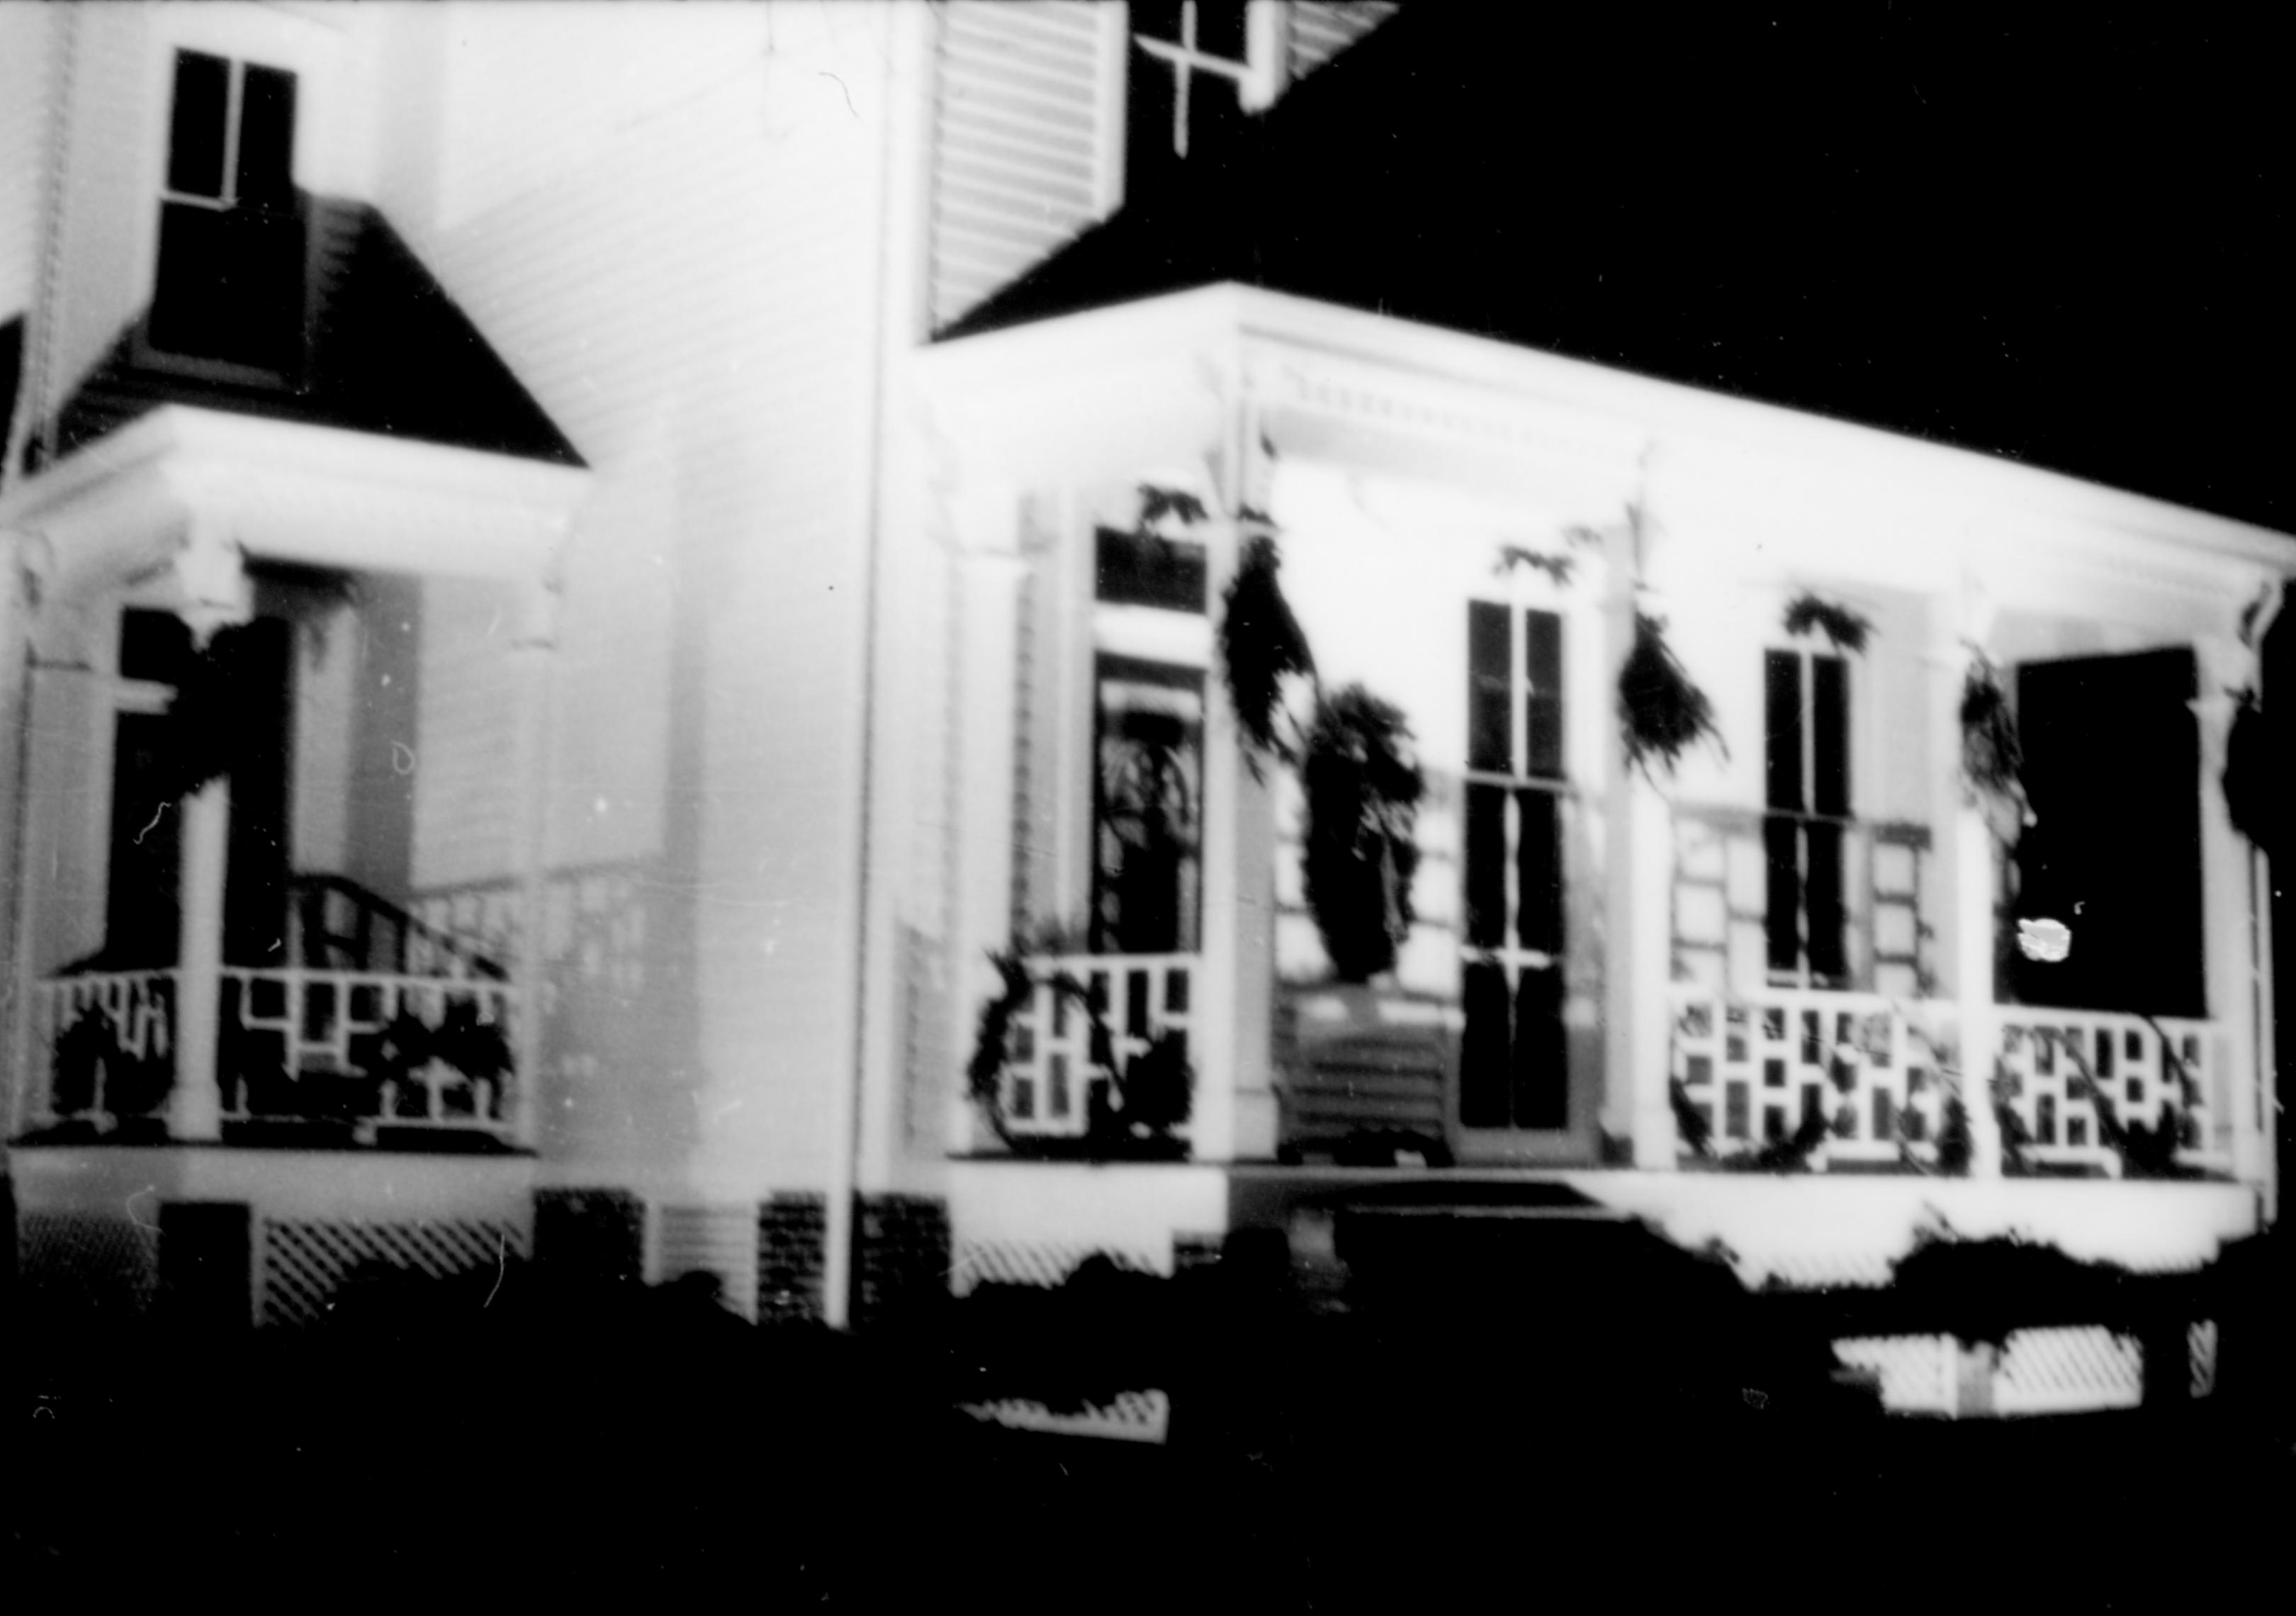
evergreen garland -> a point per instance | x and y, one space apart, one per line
1846 629
1661 713
1992 759
2250 781
1692 1127
1260 646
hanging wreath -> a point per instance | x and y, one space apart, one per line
1261 644
1661 713
1846 629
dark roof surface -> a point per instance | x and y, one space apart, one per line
387 352
2058 245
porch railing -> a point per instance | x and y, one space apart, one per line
2055 1063
361 1048
1052 1073
102 1046
1754 1066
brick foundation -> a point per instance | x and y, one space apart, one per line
792 1235
589 1236
901 1258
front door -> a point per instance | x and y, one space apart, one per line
2112 768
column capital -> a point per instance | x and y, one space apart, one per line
211 570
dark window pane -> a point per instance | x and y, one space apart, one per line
1150 145
154 646
141 919
1782 731
1538 872
1543 718
1830 719
1734 1111
1822 901
1214 112
230 286
195 131
1156 19
1885 1119
1781 916
1141 569
266 138
1489 677
1541 1078
1483 1049
1219 28
2045 1120
1486 866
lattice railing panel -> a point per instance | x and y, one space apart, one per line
1756 1066
1047 1085
2138 1065
2061 1371
102 1044
305 1262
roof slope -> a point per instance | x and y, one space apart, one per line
2057 249
389 352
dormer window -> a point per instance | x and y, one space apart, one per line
230 282
1192 80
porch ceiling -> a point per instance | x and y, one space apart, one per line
187 491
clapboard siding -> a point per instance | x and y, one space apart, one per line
1019 127
693 306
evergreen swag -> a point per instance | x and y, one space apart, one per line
1992 760
1846 629
1662 714
1363 792
1260 646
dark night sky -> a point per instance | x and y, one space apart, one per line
2063 244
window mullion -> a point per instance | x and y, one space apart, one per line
235 93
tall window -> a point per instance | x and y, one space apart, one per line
1807 767
1512 1070
1190 63
230 282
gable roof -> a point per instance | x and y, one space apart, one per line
388 353
1972 239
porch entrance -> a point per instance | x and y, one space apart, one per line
2112 769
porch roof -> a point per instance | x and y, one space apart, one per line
389 353
1654 200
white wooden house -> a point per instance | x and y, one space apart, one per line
680 618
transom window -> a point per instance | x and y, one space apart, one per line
1806 755
1513 1069
230 281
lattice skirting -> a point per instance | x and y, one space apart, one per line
1135 1416
2055 1371
304 1263
75 1263
716 1240
2200 1342
1039 1262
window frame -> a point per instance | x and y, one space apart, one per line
1807 654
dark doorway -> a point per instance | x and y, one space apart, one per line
140 903
2112 767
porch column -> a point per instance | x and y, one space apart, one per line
1968 850
1214 998
2234 889
1638 969
219 597
16 588
987 710
531 658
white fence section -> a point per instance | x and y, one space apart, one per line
2050 1058
2067 1371
1135 1416
1916 1372
1053 1068
1756 1066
